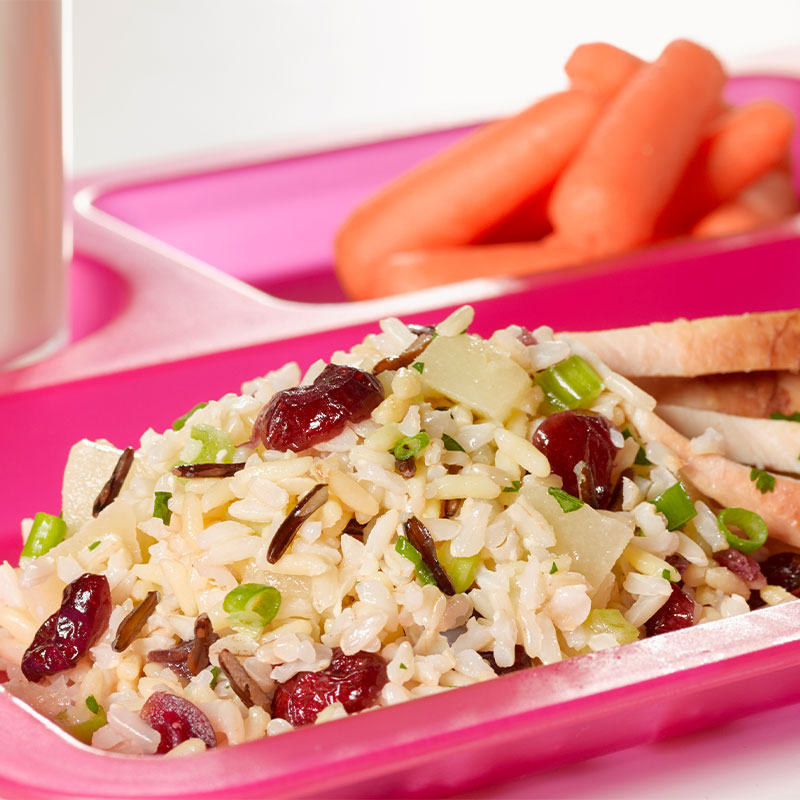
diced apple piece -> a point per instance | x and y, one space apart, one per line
89 466
594 540
471 371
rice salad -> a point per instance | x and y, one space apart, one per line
489 506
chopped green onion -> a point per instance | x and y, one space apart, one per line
666 575
407 550
46 532
793 417
676 505
214 441
565 500
94 545
610 620
451 444
514 486
571 383
554 568
641 458
161 507
626 433
749 522
763 480
84 730
252 604
460 569
181 421
409 446
214 676
418 366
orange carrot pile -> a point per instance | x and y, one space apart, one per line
632 153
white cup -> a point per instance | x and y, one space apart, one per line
35 237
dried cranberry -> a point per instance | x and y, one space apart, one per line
747 568
676 613
677 561
296 419
68 634
177 720
782 569
354 681
580 451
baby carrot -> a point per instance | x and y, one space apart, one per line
771 199
609 198
601 67
742 145
462 193
408 272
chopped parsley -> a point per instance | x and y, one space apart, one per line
93 545
451 444
763 480
214 676
793 417
565 500
418 366
514 486
403 666
666 575
554 568
92 704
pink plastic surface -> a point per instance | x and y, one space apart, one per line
159 353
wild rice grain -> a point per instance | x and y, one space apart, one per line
111 489
246 689
130 627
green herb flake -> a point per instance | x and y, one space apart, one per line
181 421
567 502
418 366
666 575
638 532
451 444
94 545
514 486
403 666
554 568
626 433
793 417
763 480
92 704
161 508
214 676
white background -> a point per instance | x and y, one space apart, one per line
156 78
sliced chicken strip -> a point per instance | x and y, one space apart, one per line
757 394
727 482
713 345
763 443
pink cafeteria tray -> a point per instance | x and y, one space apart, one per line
516 725
174 238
